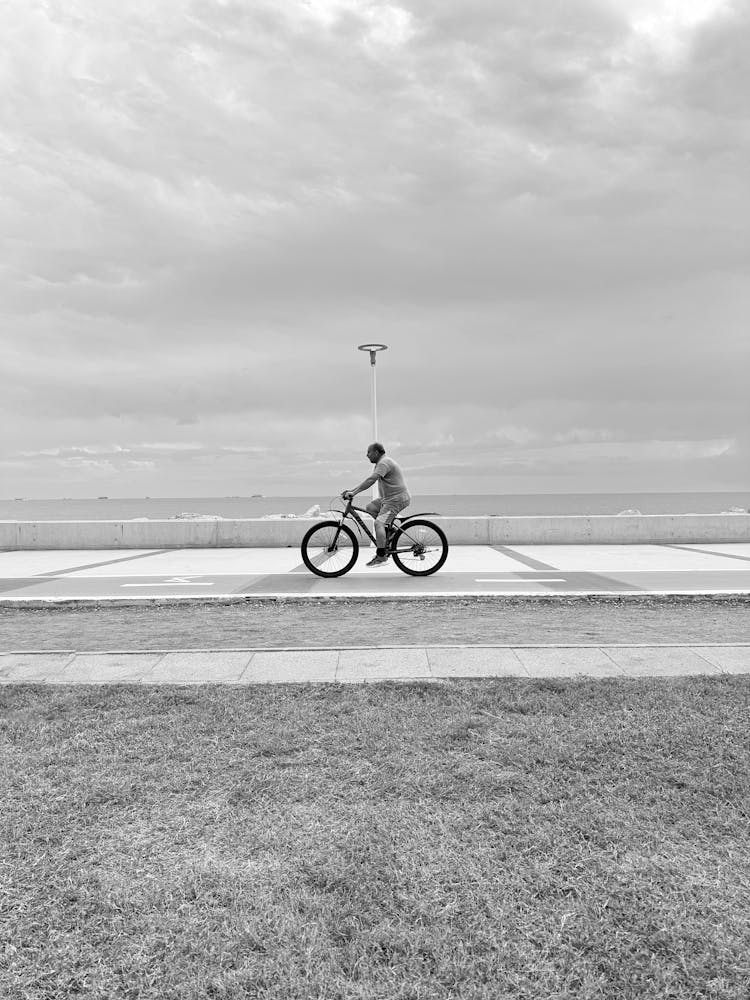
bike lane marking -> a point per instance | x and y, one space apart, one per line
708 552
511 553
50 563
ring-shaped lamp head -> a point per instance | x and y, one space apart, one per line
373 349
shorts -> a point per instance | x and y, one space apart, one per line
385 510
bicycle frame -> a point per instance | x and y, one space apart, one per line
352 512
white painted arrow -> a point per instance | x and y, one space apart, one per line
175 581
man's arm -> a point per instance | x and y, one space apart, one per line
362 486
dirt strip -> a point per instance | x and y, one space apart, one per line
283 623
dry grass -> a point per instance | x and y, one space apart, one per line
478 839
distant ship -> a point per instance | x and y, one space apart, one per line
256 496
102 498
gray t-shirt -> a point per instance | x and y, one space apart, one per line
391 481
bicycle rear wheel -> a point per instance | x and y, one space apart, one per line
419 547
329 549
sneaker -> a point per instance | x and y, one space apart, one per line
378 561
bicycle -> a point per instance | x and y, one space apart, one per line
418 546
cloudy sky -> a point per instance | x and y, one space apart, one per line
541 207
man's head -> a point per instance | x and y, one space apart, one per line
375 452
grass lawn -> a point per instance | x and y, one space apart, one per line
499 838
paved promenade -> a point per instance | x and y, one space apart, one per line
29 577
469 570
403 663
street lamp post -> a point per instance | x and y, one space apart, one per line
373 350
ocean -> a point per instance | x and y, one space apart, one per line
156 508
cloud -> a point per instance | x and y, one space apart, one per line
207 205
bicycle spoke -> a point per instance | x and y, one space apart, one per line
321 558
421 548
329 550
321 555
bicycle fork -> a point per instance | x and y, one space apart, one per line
335 543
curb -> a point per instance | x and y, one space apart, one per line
492 597
316 649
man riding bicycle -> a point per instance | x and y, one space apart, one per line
394 497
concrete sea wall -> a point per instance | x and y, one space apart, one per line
639 529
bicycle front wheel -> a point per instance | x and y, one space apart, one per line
420 548
329 549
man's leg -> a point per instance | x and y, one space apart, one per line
390 509
374 509
380 522
381 556
393 513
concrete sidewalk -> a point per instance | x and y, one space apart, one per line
358 665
